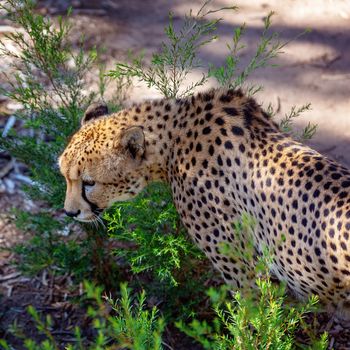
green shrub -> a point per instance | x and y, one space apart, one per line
150 224
121 324
254 319
261 320
49 84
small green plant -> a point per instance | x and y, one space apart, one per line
269 47
130 325
49 84
178 56
260 319
150 227
250 323
121 324
286 124
152 241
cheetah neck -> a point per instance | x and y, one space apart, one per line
157 120
174 129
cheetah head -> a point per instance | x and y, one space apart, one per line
103 163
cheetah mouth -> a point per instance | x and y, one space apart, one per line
85 220
97 211
92 218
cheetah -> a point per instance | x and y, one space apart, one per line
222 156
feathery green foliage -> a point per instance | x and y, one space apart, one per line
258 319
121 324
49 84
178 56
286 124
151 227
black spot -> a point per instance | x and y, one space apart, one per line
327 198
236 130
208 107
198 147
211 150
308 185
228 145
305 197
226 98
324 270
345 184
220 162
248 115
208 96
223 132
336 176
318 178
316 193
207 130
219 121
319 166
242 148
208 116
334 259
231 111
227 276
218 141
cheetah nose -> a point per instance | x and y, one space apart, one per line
72 214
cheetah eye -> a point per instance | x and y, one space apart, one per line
88 183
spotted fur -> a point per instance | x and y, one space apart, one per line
223 156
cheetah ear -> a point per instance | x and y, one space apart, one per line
133 139
94 111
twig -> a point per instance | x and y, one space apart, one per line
7 168
122 245
10 276
167 345
52 281
8 126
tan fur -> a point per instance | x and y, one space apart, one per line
223 156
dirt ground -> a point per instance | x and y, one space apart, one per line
315 68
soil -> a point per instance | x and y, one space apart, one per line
315 68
